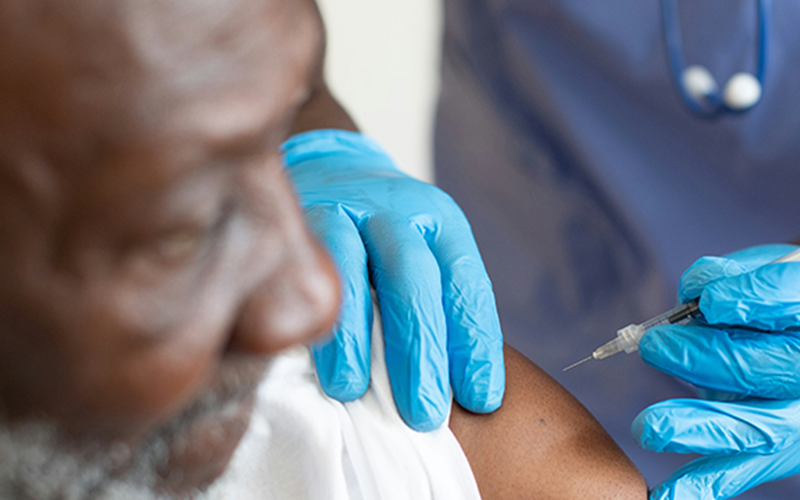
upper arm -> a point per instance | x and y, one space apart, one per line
542 443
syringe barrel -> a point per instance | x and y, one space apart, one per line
677 315
628 338
789 257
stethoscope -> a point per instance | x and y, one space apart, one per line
696 83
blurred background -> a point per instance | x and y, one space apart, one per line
383 66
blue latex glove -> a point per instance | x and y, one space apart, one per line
746 443
415 245
756 438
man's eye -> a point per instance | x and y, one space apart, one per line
165 253
178 246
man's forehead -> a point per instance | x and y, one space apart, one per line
133 66
85 83
144 27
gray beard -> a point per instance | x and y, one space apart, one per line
35 463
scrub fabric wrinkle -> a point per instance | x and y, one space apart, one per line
591 187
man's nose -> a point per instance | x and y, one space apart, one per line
297 304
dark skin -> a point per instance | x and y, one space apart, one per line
150 238
543 444
151 244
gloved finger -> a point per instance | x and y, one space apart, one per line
739 361
767 298
704 271
710 427
408 284
759 255
708 269
343 359
474 337
721 477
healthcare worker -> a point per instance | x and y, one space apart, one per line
595 163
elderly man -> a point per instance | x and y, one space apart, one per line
153 258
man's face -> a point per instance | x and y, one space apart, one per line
151 250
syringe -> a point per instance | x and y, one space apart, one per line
628 338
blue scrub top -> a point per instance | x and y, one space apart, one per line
590 184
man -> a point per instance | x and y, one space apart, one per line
153 257
147 225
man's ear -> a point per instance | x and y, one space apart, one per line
321 110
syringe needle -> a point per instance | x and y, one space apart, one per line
570 367
627 338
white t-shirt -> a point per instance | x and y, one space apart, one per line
302 445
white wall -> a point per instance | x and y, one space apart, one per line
383 65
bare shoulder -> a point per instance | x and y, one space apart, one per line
542 443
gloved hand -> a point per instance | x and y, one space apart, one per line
744 349
746 443
439 316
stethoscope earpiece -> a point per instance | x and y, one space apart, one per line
699 83
742 92
698 86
